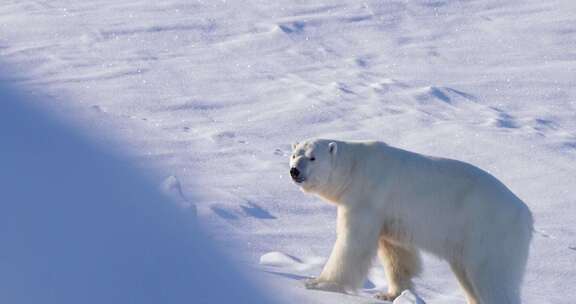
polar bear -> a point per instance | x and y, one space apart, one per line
394 202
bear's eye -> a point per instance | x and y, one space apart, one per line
293 156
312 158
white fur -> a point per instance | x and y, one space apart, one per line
394 202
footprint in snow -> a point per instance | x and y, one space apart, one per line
253 210
98 108
445 94
544 234
295 27
224 213
226 138
362 62
506 121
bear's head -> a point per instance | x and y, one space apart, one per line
312 164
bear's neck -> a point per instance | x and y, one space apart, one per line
337 188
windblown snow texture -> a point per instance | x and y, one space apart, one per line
214 92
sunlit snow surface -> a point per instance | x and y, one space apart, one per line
212 93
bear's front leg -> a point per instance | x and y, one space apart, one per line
356 243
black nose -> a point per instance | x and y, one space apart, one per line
294 172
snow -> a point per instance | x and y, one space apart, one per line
173 190
408 297
81 225
276 258
211 94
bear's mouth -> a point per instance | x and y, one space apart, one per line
299 180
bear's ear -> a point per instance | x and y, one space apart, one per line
294 145
333 148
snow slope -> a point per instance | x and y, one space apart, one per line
79 224
214 92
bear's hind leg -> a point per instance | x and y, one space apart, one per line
465 283
401 264
495 282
